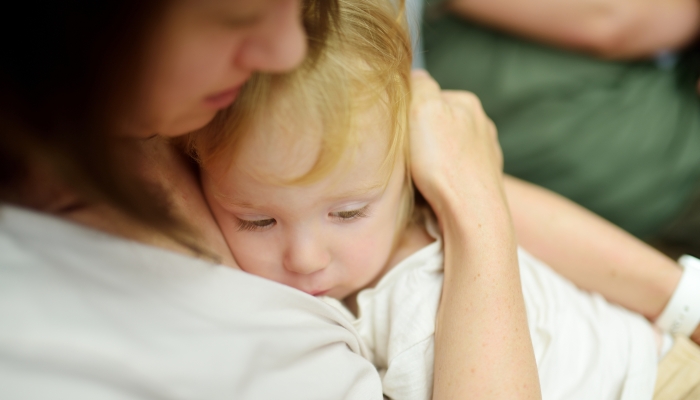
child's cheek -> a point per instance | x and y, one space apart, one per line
254 255
369 253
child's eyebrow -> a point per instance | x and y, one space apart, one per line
358 192
353 193
234 202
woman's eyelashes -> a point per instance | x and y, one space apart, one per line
350 214
255 225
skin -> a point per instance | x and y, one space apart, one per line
456 163
591 252
482 284
481 317
292 235
204 52
332 237
199 56
619 29
195 56
449 133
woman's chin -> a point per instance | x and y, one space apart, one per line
172 125
187 125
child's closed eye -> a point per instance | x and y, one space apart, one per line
255 225
350 214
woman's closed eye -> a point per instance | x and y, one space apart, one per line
350 214
255 225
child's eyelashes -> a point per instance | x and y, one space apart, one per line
267 223
351 214
255 225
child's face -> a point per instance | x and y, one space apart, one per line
332 237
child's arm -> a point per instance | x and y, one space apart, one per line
482 343
590 251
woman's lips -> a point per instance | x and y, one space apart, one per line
223 99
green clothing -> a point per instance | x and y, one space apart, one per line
620 138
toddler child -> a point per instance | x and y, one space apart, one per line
307 176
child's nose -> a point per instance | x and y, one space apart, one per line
305 255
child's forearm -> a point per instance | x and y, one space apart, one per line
590 251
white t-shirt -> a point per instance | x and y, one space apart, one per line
85 315
585 347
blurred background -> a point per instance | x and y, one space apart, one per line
594 99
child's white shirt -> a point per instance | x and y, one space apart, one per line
585 347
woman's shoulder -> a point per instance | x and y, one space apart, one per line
41 248
84 302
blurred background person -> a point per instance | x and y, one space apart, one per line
595 100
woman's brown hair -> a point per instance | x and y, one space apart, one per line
67 69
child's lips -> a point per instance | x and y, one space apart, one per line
318 293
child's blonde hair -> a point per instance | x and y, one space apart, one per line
366 61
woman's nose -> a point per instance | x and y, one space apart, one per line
306 254
280 42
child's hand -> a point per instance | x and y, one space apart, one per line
454 145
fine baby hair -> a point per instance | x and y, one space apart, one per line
366 64
281 170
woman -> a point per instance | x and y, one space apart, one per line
107 283
116 306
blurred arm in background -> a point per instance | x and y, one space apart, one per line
615 29
591 252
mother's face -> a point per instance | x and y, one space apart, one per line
203 52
